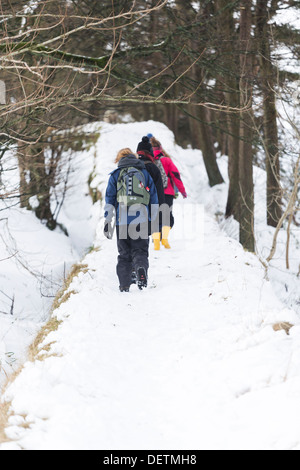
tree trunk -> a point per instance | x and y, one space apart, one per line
274 194
202 139
233 199
208 148
193 128
246 217
201 131
34 181
232 97
23 170
41 182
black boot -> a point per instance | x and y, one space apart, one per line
124 289
141 278
133 277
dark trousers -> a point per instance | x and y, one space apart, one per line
170 200
133 254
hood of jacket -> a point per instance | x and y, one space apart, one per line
158 153
131 160
145 156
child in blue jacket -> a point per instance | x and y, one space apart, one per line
132 222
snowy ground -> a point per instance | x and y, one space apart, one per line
193 362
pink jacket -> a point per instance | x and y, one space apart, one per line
172 172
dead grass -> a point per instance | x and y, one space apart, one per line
286 326
5 412
35 348
36 351
4 415
53 324
63 294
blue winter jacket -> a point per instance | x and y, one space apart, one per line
111 205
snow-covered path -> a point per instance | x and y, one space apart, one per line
192 362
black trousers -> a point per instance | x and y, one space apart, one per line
170 200
133 254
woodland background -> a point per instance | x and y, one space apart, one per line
213 71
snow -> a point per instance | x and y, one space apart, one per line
34 260
286 57
193 362
287 16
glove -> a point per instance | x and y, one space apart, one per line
108 230
184 195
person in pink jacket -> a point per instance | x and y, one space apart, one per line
174 182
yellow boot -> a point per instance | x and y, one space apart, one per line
165 235
156 240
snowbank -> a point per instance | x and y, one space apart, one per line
34 260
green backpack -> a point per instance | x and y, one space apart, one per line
131 187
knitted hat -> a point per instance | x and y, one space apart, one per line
145 145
